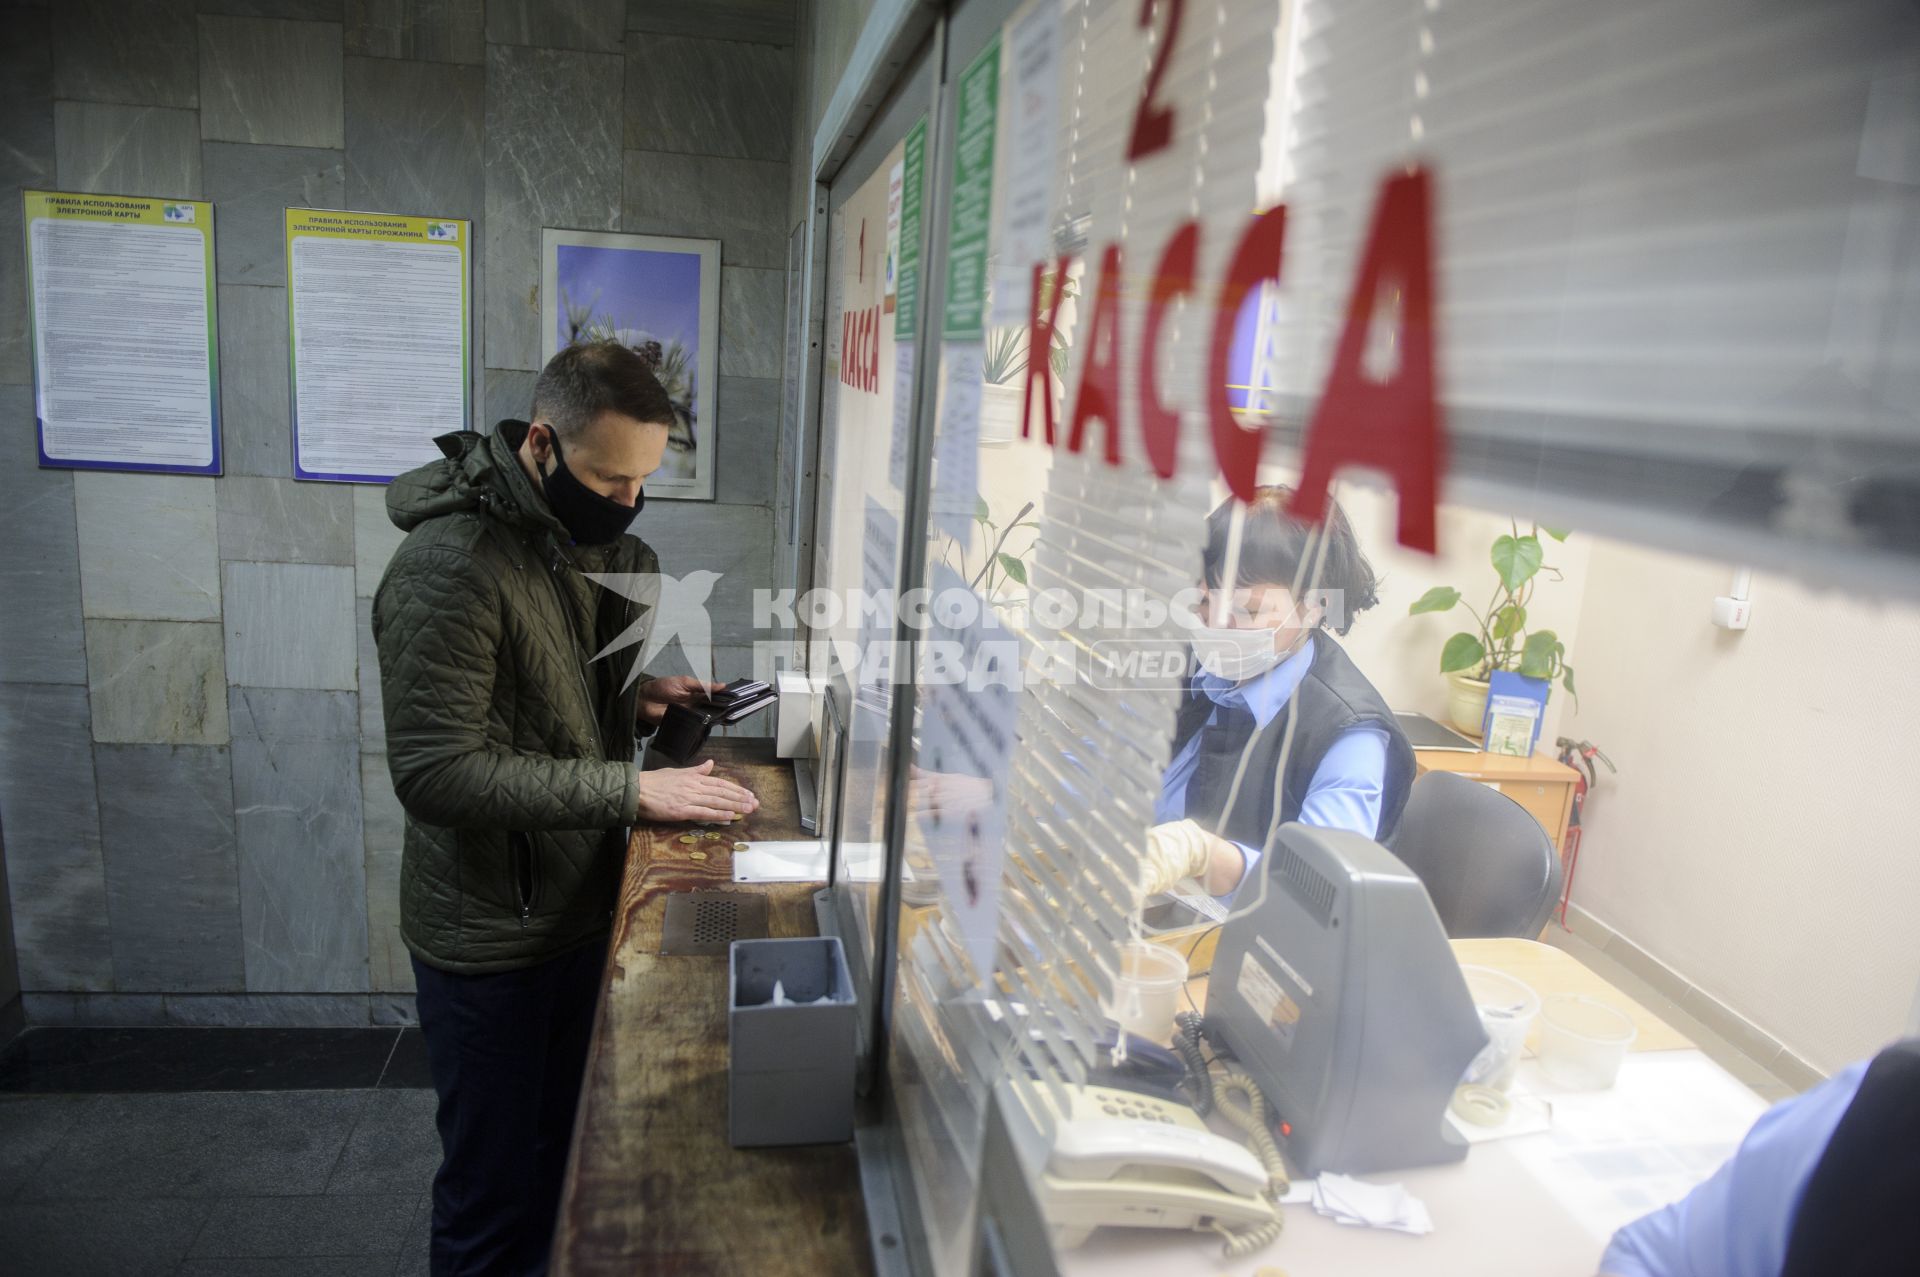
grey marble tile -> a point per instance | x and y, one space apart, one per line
553 159
429 30
395 1147
594 25
26 160
124 1238
107 149
304 10
31 1126
416 1259
148 546
709 97
753 305
269 1010
166 828
40 638
414 137
395 1009
258 1227
254 186
55 875
745 439
375 537
290 625
285 521
270 80
734 541
193 1146
741 203
509 394
373 722
157 682
296 799
759 21
139 52
97 1010
256 431
389 969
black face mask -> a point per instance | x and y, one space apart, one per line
590 518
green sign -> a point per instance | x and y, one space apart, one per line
972 196
912 196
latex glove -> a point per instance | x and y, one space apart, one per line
1178 849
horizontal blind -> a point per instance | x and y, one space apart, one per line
1678 251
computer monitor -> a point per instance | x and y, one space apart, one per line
1340 996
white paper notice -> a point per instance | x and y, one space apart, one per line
379 349
956 444
971 666
902 414
1030 102
122 356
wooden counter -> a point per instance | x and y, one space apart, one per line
652 1185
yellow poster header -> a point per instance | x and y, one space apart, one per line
74 206
388 227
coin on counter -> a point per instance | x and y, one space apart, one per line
697 855
687 838
740 846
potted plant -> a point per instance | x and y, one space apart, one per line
1004 366
1500 639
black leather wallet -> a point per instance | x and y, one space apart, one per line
684 729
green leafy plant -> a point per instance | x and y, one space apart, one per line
1001 565
1502 640
1005 356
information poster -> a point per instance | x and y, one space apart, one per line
970 668
378 314
956 452
125 350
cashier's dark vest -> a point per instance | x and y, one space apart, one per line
1860 1213
1333 697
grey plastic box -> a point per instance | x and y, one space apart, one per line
790 1069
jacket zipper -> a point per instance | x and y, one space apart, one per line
560 597
522 865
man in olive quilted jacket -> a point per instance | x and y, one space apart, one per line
512 751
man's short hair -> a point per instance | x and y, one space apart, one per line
589 378
1274 544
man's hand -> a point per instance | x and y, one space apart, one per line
675 689
692 793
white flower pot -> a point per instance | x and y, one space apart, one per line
1466 702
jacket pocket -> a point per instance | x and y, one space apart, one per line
524 868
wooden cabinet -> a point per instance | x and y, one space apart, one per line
1543 785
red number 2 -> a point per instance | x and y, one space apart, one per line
1153 124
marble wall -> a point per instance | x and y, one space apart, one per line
198 826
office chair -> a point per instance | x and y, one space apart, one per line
1488 865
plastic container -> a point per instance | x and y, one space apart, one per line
1507 1009
1146 993
790 1075
1583 1041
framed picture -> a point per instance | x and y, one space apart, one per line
660 296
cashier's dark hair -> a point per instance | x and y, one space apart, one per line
1274 545
589 378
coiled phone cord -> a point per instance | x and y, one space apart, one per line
1187 1042
1237 1098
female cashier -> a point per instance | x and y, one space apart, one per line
1265 660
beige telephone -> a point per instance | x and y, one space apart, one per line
1131 1160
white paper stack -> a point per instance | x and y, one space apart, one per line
1352 1201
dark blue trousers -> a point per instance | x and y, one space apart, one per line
507 1052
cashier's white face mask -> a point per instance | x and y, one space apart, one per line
1237 655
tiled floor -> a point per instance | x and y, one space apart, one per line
1729 1057
234 1168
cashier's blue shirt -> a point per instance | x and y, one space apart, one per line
1736 1223
1346 787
